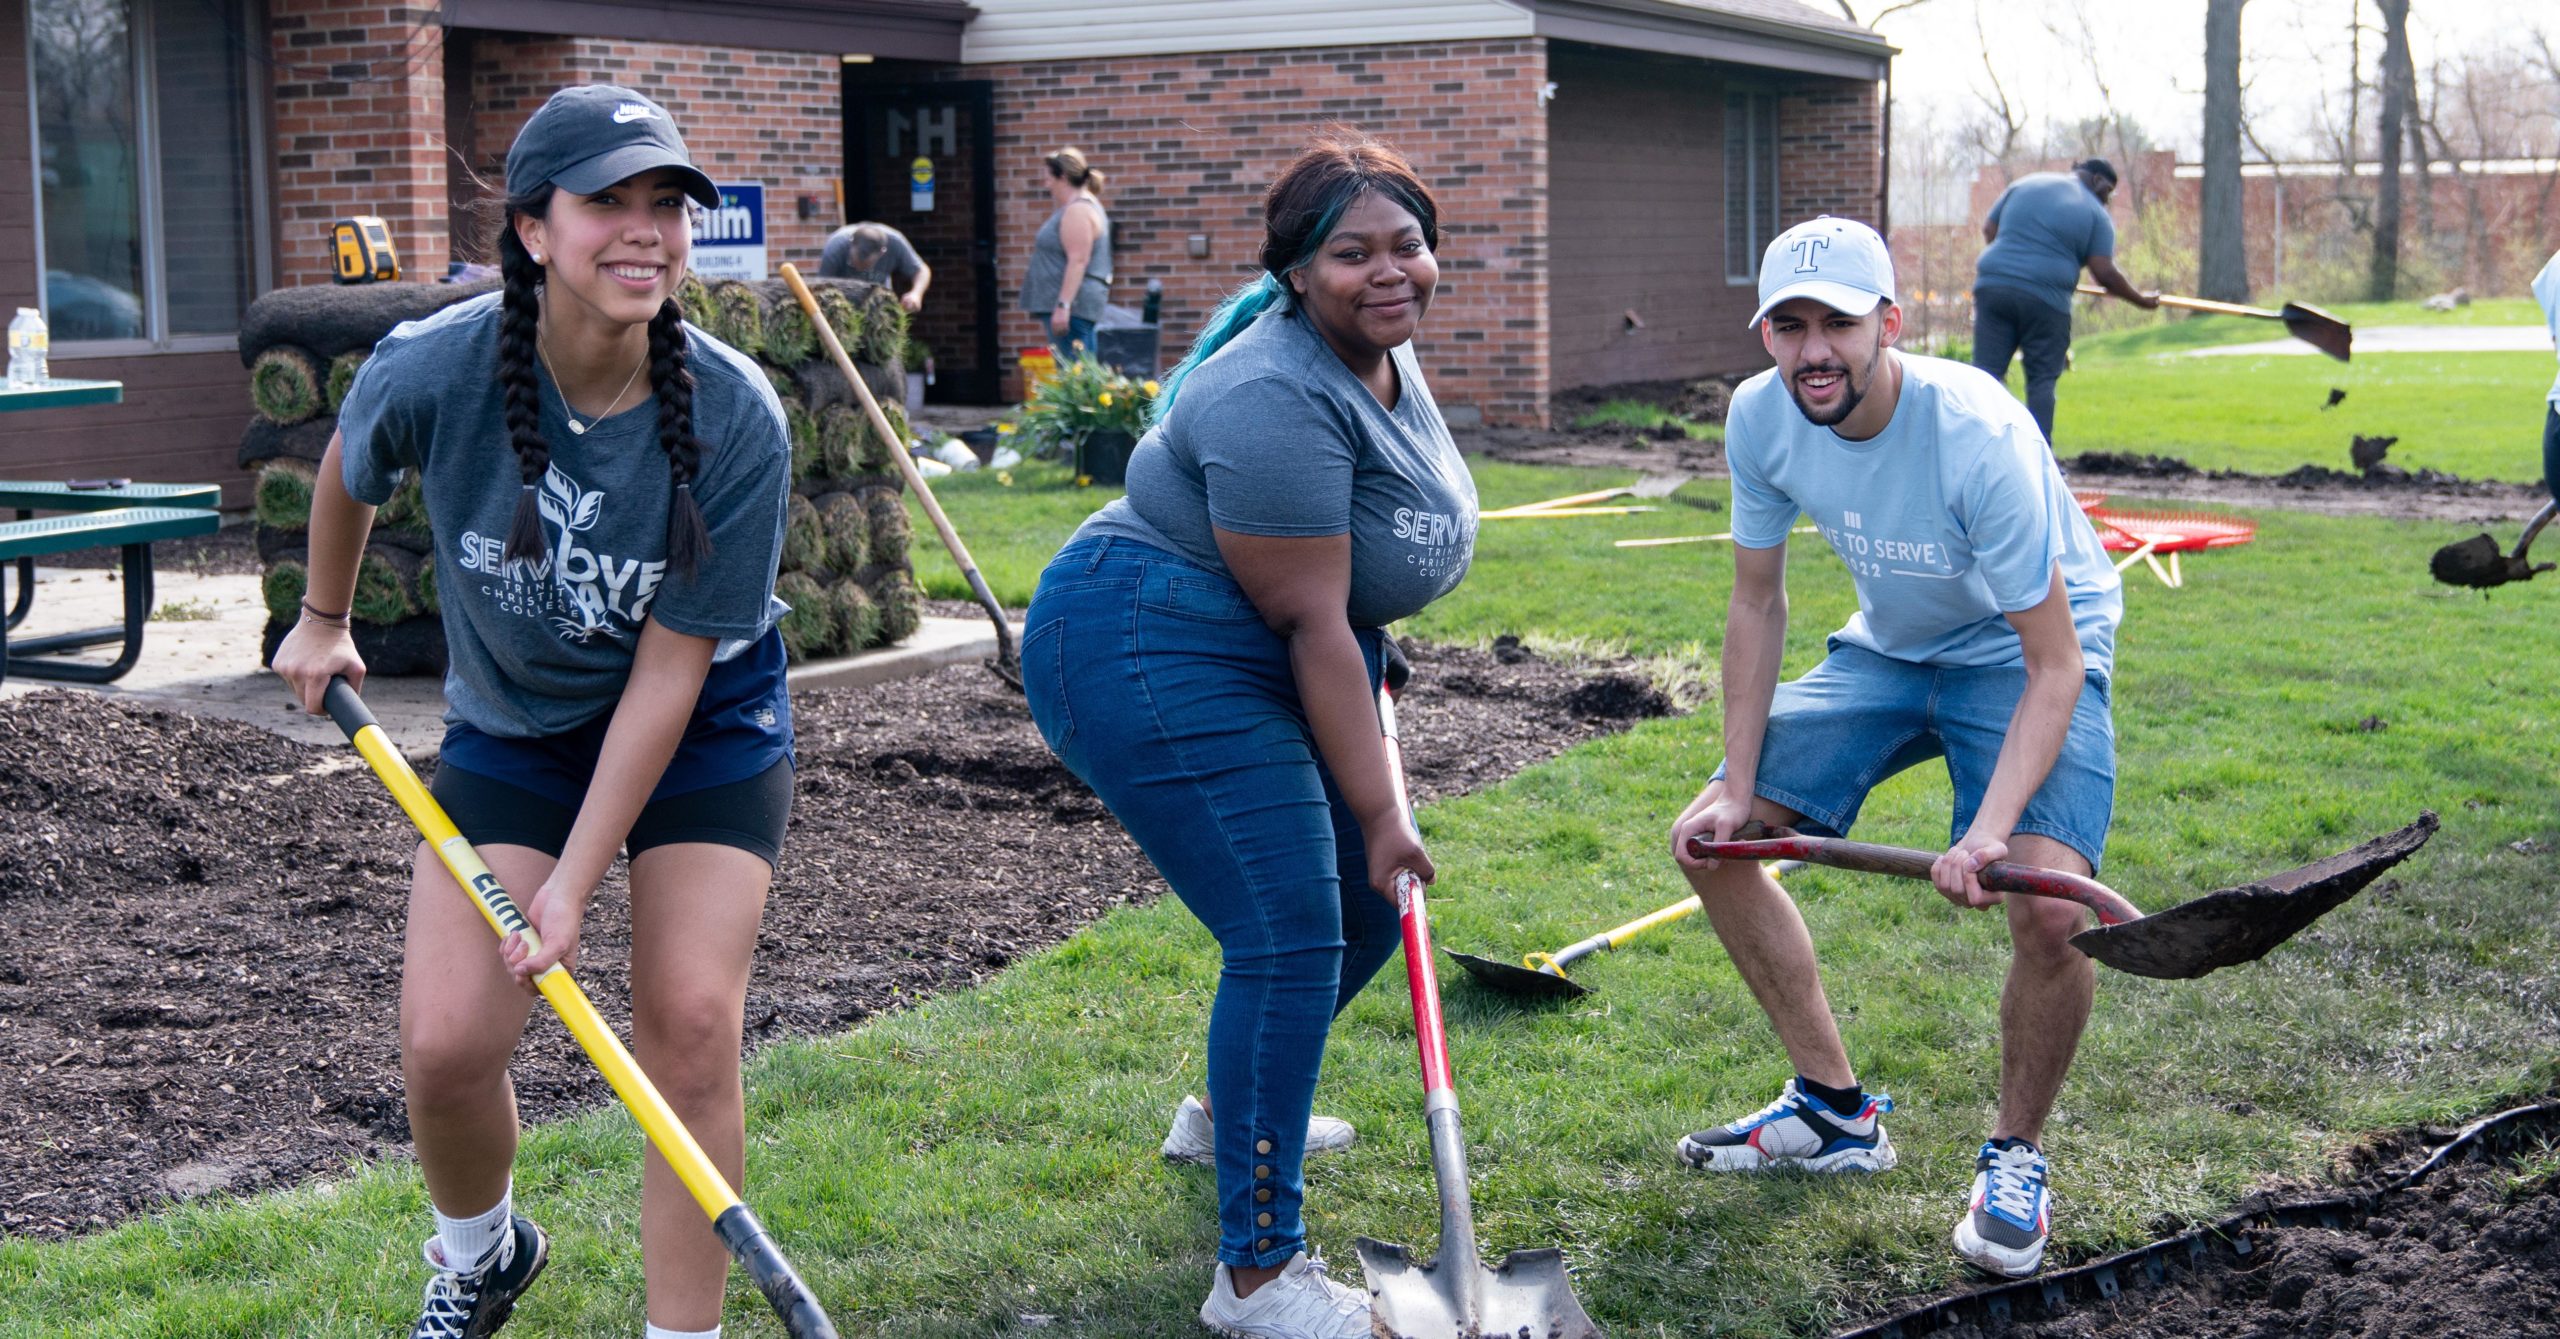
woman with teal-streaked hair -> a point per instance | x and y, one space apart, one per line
1225 624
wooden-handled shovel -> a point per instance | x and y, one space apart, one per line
2223 927
1008 662
2304 322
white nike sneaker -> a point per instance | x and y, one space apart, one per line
1193 1140
1300 1304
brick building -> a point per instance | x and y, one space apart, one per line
1608 170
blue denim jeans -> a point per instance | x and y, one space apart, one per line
1155 681
1076 341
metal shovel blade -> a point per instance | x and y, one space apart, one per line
2236 925
1527 1296
2318 329
1522 982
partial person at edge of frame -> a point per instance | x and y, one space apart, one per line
1070 276
616 678
1985 635
1226 621
2040 232
2546 291
879 254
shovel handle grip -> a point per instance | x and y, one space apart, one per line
1431 1037
2000 876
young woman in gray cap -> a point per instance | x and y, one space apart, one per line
606 488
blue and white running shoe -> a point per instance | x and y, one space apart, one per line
2003 1230
1797 1131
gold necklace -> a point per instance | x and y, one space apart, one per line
572 414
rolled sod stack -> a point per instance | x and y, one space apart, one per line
844 563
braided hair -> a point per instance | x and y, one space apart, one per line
520 310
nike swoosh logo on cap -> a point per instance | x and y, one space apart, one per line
630 112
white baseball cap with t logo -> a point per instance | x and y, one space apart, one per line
1840 263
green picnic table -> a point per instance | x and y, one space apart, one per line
93 513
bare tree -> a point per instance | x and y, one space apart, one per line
1995 139
2384 281
1880 15
2223 265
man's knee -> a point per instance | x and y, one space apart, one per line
2044 925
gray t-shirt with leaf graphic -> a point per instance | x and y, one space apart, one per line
540 647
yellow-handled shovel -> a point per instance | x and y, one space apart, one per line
746 1238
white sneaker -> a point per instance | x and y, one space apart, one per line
1300 1304
1193 1140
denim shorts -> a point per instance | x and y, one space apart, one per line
1859 717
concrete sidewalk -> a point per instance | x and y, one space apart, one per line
207 661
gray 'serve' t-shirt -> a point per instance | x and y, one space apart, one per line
539 648
1275 436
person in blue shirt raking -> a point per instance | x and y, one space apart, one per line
1985 634
2039 234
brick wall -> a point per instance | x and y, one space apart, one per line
748 116
359 103
1830 150
1189 142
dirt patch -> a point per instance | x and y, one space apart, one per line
2472 1251
200 922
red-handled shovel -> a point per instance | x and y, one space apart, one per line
2223 927
1453 1296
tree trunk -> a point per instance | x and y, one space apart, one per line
2223 269
2385 281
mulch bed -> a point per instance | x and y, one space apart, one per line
200 922
2473 1252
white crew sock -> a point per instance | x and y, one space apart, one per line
466 1241
662 1332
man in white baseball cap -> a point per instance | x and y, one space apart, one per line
1985 635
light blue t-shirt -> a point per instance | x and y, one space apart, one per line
2050 226
1950 519
2546 290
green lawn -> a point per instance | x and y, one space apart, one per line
2478 415
2170 330
990 1154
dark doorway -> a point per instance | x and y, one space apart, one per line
887 128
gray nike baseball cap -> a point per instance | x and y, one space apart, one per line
588 137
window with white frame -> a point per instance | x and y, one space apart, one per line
147 164
1750 182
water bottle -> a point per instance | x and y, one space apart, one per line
28 346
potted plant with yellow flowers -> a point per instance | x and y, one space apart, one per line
1092 415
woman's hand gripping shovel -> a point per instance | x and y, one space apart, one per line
2219 929
746 1239
1454 1296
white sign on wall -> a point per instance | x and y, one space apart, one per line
728 242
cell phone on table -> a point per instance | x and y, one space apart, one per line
86 484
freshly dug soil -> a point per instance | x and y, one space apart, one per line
2473 1252
200 922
